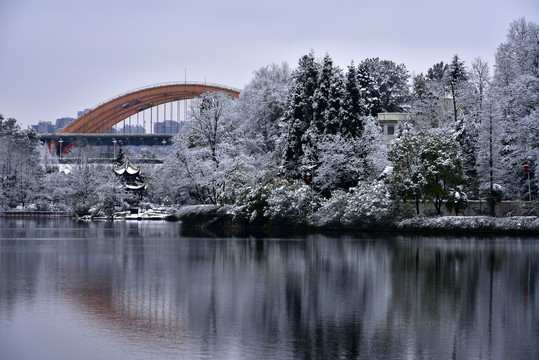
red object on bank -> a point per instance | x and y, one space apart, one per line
526 169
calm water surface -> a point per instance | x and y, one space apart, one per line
148 290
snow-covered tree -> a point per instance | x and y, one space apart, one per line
20 171
205 161
479 81
208 116
443 96
516 87
111 194
84 188
468 125
419 86
457 200
457 80
392 81
327 128
489 165
83 181
466 133
431 99
359 98
299 113
442 161
351 106
408 173
437 72
339 164
449 103
120 157
426 167
259 111
327 98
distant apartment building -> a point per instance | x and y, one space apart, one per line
44 127
167 127
82 112
128 129
63 122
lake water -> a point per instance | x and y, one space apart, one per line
152 290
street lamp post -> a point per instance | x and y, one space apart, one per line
114 151
527 171
61 141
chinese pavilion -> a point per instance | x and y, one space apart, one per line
131 177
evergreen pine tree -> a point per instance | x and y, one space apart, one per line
321 96
466 134
353 106
120 158
369 92
392 81
330 132
300 112
430 98
328 98
437 71
516 90
457 78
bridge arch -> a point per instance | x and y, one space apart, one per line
115 110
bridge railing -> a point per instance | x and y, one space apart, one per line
106 139
137 161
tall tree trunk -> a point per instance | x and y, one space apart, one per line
491 198
454 98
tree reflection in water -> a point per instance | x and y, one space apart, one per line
158 291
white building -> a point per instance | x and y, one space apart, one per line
389 121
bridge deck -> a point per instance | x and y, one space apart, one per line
107 139
137 161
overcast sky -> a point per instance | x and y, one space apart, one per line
61 56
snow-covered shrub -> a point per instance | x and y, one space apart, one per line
366 206
291 203
426 167
493 196
456 200
332 210
251 202
278 202
112 196
87 189
370 204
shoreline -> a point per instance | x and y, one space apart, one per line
216 218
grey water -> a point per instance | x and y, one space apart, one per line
153 290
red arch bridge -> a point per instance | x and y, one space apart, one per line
143 116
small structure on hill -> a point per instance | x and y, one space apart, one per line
131 177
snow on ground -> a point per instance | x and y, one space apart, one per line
526 224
